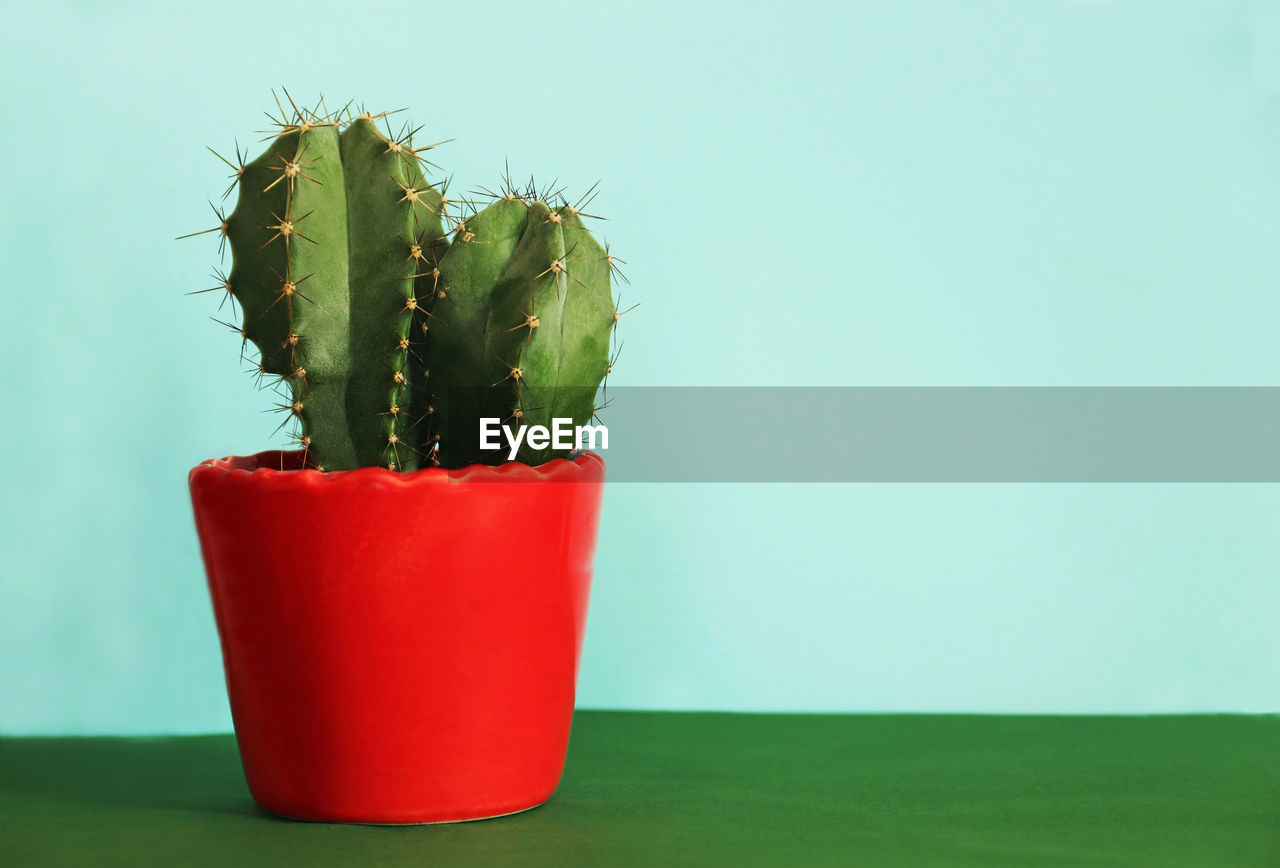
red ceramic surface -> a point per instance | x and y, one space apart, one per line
399 647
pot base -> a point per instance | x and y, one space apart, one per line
423 823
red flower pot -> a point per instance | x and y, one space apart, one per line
399 647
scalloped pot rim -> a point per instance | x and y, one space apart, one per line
272 467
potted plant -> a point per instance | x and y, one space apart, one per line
401 609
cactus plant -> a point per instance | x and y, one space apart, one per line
522 330
390 325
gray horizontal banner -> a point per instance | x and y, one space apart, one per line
927 434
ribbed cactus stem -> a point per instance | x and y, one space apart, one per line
522 332
329 237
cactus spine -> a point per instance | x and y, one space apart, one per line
390 342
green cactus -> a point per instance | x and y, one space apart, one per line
392 343
522 331
331 237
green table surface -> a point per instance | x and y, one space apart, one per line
709 789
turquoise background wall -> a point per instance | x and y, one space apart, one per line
851 193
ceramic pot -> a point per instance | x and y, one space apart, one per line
399 647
